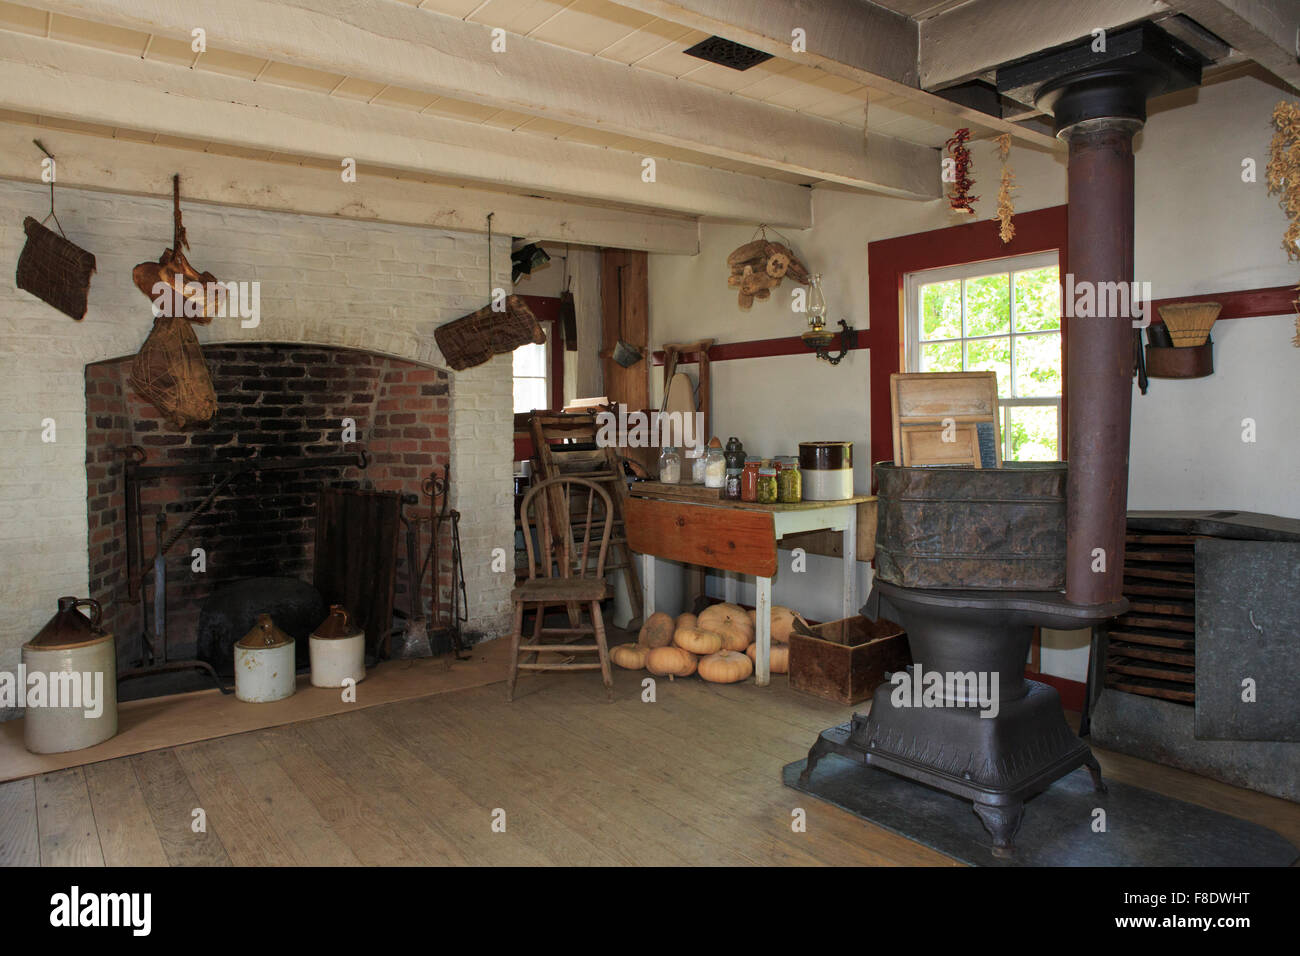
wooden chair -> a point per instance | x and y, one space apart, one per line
561 573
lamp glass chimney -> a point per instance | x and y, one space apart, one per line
816 304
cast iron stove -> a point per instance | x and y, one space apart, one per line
997 761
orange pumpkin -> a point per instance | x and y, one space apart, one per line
630 656
697 640
778 660
671 662
657 630
725 667
783 619
686 619
730 621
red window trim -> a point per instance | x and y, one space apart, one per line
890 260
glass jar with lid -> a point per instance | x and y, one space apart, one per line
715 467
766 490
789 480
670 466
749 480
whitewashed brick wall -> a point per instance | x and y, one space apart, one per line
323 281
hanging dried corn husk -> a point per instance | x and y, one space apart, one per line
1006 208
170 373
175 286
1283 177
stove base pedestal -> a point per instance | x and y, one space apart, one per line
965 720
995 762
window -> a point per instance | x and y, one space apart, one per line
1002 316
530 377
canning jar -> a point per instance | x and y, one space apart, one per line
766 491
749 480
670 466
789 481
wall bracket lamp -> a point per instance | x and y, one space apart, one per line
818 337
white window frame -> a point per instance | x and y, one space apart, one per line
912 327
545 376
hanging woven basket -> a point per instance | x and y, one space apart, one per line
473 339
55 270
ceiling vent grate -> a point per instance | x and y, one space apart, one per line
735 56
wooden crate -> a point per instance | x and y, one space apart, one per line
848 658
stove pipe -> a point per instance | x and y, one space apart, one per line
1100 352
1098 99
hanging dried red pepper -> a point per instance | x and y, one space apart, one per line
960 198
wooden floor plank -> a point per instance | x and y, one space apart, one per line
531 820
704 797
691 779
126 831
19 835
458 814
233 811
68 835
286 808
348 812
565 789
397 811
171 801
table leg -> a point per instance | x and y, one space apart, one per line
850 548
763 632
647 585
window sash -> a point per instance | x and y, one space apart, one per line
913 343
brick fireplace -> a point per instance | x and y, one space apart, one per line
328 286
275 402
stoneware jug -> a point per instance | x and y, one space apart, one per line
264 663
338 650
74 662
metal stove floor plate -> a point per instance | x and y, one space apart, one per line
1142 828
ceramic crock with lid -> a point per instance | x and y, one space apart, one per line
264 663
76 659
338 650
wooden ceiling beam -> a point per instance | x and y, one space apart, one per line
72 82
853 39
400 45
969 40
1266 31
90 161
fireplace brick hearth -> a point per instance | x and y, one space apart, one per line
274 401
368 287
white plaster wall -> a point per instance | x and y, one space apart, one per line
1199 228
323 281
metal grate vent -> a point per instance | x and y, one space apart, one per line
735 56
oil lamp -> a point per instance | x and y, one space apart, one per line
818 337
